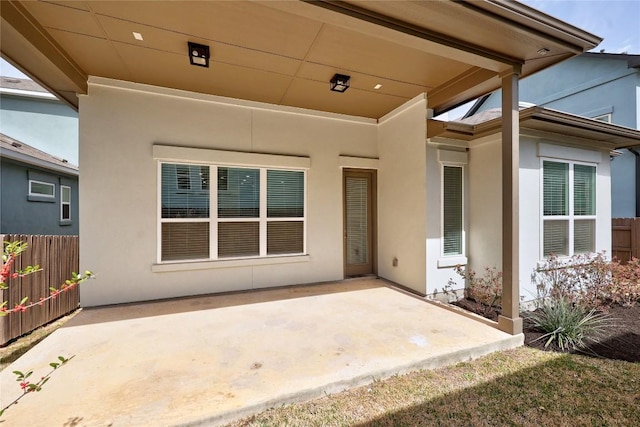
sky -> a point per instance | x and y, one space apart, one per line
617 21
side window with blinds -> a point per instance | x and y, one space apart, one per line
569 208
256 212
452 205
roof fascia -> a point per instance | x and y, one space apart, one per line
633 61
360 13
628 137
32 40
27 159
27 94
536 22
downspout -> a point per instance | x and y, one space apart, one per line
637 180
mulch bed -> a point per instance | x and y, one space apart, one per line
622 342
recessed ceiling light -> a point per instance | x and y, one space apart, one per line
378 86
543 51
137 36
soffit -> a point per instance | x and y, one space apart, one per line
278 52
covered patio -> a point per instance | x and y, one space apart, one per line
244 352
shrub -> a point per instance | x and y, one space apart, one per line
624 288
590 281
567 325
582 280
485 289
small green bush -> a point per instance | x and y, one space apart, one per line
569 326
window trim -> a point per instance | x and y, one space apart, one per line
570 217
213 220
48 196
606 116
457 159
62 203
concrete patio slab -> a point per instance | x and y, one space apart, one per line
208 360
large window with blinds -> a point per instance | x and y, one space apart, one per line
452 209
569 208
244 212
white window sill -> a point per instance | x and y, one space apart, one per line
452 261
566 260
38 198
206 265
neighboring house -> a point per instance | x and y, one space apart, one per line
39 193
229 164
602 86
564 176
34 116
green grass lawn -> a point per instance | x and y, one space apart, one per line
521 387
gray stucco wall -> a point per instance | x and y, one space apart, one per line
47 125
590 86
19 215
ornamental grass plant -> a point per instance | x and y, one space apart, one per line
568 326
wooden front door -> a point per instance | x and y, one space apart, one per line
359 222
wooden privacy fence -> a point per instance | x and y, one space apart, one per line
625 238
58 256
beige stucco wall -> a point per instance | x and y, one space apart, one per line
118 190
402 196
121 122
485 215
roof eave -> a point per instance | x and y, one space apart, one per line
538 119
27 159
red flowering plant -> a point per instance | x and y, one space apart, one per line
10 253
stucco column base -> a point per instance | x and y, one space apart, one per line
510 326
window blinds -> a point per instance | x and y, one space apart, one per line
185 240
240 223
285 199
584 236
285 194
556 238
238 193
452 210
179 202
584 190
357 232
183 201
556 189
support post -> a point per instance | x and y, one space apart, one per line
510 320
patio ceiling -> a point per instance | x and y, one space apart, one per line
286 52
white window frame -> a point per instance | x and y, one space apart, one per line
571 217
453 159
600 118
214 220
63 203
48 184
